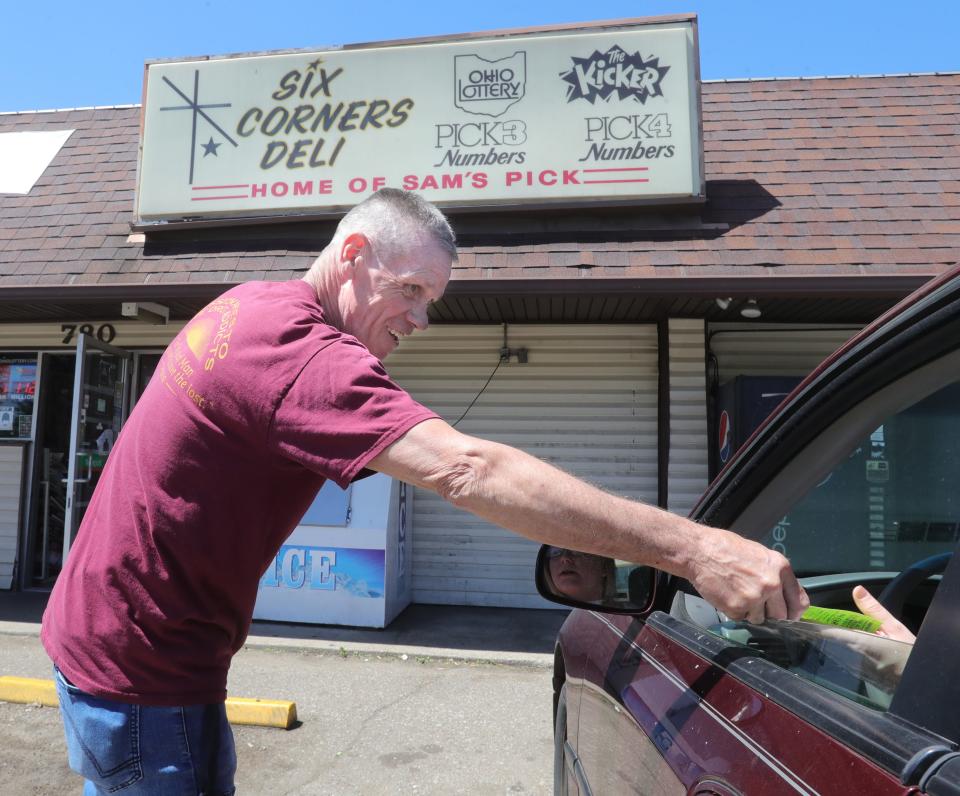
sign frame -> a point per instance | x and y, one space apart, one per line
332 212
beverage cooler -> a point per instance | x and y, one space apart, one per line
347 562
743 404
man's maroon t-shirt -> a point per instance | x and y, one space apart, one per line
253 406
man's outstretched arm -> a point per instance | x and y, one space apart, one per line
530 497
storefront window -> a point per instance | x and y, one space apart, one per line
18 387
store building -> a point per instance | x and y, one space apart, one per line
602 337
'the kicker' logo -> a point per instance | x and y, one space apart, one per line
602 74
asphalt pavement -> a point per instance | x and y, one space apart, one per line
447 700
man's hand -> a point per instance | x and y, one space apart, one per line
746 580
890 626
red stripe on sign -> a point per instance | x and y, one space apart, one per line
625 168
215 187
210 198
601 182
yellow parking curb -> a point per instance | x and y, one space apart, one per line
262 712
28 691
257 712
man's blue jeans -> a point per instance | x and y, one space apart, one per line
141 749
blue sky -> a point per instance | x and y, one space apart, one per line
58 54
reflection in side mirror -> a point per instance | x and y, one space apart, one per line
585 580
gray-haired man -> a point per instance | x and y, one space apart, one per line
269 391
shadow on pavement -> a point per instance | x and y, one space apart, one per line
442 627
432 626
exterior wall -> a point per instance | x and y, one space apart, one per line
126 334
689 462
11 475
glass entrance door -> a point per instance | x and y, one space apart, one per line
100 395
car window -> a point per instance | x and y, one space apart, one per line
860 666
891 502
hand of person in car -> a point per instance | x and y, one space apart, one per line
870 657
890 626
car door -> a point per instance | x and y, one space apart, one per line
855 480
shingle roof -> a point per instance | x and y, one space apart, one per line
856 176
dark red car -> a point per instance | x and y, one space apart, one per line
856 478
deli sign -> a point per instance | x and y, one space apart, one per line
608 112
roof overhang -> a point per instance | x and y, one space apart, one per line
850 299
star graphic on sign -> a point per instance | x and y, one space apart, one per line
210 148
315 65
200 115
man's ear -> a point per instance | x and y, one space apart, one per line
354 245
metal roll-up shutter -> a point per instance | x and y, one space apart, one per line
773 349
586 400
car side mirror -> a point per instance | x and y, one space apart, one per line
585 580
